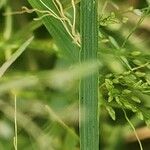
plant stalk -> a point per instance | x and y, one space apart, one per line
88 116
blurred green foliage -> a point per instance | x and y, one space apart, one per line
45 77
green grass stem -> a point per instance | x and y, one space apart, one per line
89 122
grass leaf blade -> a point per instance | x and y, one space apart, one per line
89 123
68 48
9 62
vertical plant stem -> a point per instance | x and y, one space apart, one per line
15 120
89 122
8 30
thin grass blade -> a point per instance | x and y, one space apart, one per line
10 61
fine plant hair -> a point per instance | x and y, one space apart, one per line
133 128
69 25
143 16
15 121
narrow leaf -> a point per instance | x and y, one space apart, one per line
111 112
9 62
65 43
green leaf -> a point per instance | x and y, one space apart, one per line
126 91
129 105
136 53
118 100
69 49
109 84
140 115
113 42
111 112
110 98
138 84
136 99
9 62
89 122
140 74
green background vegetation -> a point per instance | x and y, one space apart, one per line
45 77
